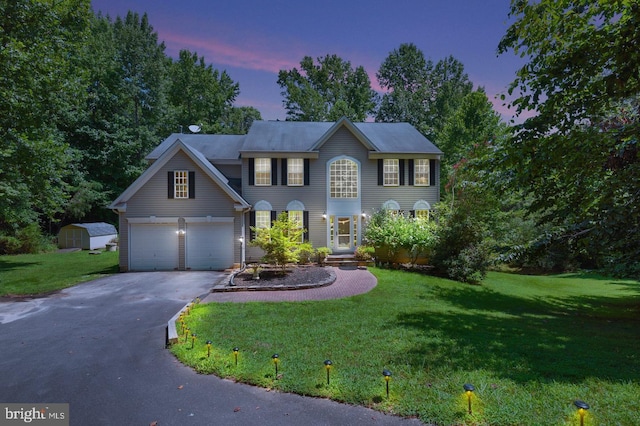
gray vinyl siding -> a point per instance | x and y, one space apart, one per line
314 196
152 200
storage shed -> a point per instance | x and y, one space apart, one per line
87 236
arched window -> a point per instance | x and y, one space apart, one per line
343 179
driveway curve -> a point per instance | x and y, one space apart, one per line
99 346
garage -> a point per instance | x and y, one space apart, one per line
209 245
154 247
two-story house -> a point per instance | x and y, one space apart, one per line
194 207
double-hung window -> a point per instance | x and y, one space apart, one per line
295 172
391 172
421 172
181 184
263 171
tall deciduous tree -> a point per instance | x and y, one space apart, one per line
198 93
419 92
40 88
327 90
579 154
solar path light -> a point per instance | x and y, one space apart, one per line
469 388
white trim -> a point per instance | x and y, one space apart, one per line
208 219
262 205
295 205
421 205
152 219
391 205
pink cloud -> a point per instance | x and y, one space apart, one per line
253 58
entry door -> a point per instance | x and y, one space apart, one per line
344 233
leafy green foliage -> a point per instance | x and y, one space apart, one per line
40 87
390 233
418 92
578 156
281 242
326 91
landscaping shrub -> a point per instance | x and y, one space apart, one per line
27 240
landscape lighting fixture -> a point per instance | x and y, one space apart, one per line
276 360
327 366
582 409
469 388
387 377
208 348
235 354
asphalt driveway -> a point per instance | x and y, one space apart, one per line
100 347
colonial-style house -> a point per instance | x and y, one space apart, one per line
194 207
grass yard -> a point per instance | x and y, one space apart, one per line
531 345
32 274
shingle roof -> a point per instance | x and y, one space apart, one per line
213 147
97 229
297 136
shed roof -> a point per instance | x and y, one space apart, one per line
96 229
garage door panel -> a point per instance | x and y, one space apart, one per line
153 247
209 246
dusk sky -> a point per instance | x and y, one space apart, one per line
253 39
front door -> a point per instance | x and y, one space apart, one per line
343 238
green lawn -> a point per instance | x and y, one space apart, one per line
31 274
531 345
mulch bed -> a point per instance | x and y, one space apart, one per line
293 276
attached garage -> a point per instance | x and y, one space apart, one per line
154 247
208 245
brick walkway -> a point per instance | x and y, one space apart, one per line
349 282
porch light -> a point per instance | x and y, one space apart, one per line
582 409
364 215
327 366
324 215
181 232
276 360
241 239
235 354
387 377
469 388
208 348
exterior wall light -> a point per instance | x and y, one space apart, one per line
324 216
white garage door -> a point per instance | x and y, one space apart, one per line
154 247
209 246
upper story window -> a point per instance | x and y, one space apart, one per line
295 172
391 172
263 171
421 172
343 179
181 184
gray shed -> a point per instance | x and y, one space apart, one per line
87 236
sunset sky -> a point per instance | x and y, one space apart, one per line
253 39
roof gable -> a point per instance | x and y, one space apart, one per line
196 156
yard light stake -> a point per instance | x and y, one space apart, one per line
194 336
582 409
235 354
208 348
469 388
327 366
387 377
276 360
186 334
